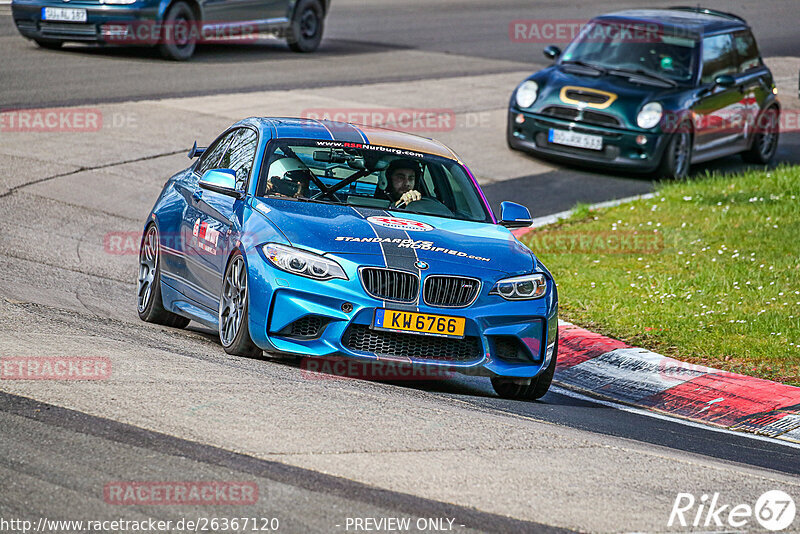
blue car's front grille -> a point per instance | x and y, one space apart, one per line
388 284
361 338
450 291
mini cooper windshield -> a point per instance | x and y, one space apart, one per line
626 49
370 176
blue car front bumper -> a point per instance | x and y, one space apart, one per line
297 315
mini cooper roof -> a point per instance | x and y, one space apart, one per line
698 21
326 130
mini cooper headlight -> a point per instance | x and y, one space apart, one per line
526 93
649 115
303 263
529 286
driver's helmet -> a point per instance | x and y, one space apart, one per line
288 177
384 182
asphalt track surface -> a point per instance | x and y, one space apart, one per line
178 408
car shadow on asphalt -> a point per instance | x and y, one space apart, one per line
251 50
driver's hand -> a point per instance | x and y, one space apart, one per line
408 198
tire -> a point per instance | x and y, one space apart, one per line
234 304
179 37
149 305
307 26
765 142
508 389
677 157
48 45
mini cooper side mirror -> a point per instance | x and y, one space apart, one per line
725 80
513 215
552 52
222 181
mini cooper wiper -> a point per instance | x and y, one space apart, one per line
599 69
642 72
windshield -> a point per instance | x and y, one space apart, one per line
635 46
370 176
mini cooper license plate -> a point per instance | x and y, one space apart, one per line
63 14
420 323
579 140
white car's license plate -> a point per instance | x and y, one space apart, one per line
579 140
64 14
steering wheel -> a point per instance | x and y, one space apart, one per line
427 206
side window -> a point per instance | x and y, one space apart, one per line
746 50
718 57
210 157
240 155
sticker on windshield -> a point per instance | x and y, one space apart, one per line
398 223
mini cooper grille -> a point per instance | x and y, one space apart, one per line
361 338
587 96
387 284
589 117
450 291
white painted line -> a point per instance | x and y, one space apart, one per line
655 415
555 217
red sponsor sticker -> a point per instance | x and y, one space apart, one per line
398 223
55 368
180 493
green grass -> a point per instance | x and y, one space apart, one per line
713 279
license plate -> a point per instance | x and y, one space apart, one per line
64 14
420 323
579 140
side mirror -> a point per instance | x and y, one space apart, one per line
513 215
725 80
552 52
222 181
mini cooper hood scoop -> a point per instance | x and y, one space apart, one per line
339 229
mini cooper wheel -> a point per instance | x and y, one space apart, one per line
234 332
305 32
149 304
179 33
677 157
765 141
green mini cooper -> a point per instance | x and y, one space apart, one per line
650 90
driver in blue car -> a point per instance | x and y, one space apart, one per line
402 183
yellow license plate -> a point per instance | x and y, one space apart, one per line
422 323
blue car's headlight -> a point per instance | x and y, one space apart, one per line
529 286
303 263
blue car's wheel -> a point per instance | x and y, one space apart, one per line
509 388
234 332
149 304
179 33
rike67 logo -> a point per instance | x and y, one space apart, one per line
398 223
774 511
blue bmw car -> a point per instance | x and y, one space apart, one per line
324 239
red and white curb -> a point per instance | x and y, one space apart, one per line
607 368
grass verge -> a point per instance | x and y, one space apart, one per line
707 272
